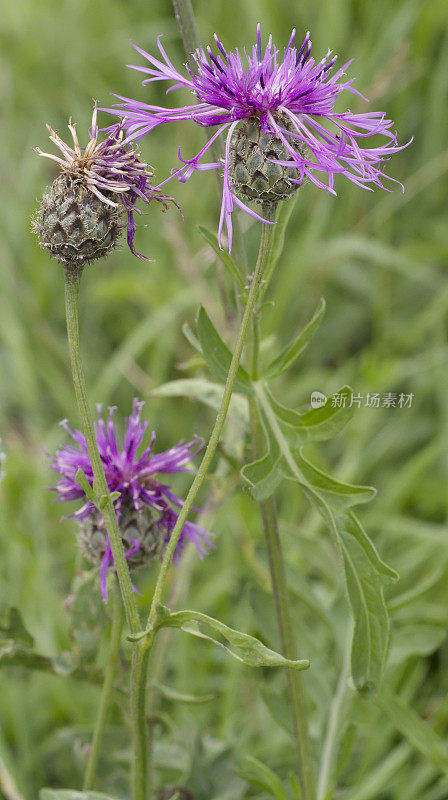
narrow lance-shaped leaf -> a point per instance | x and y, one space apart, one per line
262 777
286 358
217 354
245 648
417 732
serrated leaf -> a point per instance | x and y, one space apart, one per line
243 647
364 571
344 494
417 732
72 794
262 777
291 352
217 354
223 256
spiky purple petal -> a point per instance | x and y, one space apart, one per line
273 87
132 473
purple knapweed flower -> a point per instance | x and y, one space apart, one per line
110 168
135 475
292 100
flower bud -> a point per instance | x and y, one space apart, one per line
74 225
141 534
253 176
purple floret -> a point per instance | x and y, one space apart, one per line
135 475
289 89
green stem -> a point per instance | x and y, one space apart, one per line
268 511
138 716
142 651
106 694
72 280
140 743
263 258
187 25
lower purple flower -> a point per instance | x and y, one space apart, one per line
146 506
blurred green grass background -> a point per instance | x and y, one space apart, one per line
380 261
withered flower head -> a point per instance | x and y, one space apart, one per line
80 218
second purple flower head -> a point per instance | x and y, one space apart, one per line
146 508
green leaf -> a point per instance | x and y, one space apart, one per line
72 794
82 481
343 494
283 361
364 571
261 477
325 422
223 256
317 424
262 777
287 415
179 697
191 337
246 649
205 392
417 732
371 620
12 626
217 354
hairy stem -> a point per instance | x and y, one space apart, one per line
268 512
107 691
72 279
140 742
138 717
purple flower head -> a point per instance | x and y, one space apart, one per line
108 168
135 475
291 96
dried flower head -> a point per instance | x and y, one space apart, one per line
289 99
80 219
146 504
